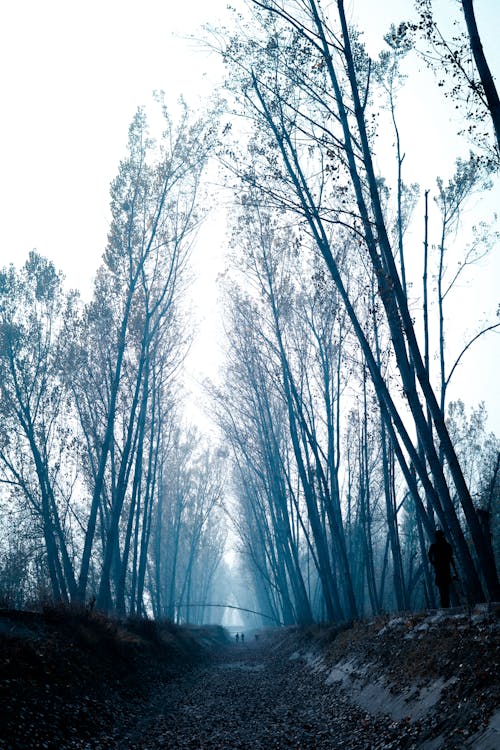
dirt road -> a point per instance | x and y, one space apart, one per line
252 697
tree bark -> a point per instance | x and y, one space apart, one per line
490 90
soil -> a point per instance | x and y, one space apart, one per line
416 681
252 696
72 679
436 674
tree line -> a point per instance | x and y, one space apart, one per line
106 494
340 452
347 454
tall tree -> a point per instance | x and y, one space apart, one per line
457 55
316 113
35 450
154 215
483 69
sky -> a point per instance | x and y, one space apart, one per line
72 75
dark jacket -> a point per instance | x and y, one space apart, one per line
441 557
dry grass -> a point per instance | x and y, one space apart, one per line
68 669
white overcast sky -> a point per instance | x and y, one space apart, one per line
72 75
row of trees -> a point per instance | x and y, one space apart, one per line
104 494
345 451
335 405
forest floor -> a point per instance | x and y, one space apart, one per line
419 681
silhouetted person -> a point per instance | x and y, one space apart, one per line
237 636
441 558
243 637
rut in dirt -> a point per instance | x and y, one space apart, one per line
251 696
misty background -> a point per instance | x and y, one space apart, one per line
199 426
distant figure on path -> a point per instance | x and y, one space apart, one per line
237 636
441 558
243 637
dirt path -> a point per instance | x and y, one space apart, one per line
250 696
73 682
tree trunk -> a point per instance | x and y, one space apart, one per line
482 66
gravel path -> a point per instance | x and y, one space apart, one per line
254 698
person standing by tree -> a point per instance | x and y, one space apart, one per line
441 558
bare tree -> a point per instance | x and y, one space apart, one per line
154 208
319 108
459 60
36 458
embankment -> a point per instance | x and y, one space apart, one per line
68 676
436 674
